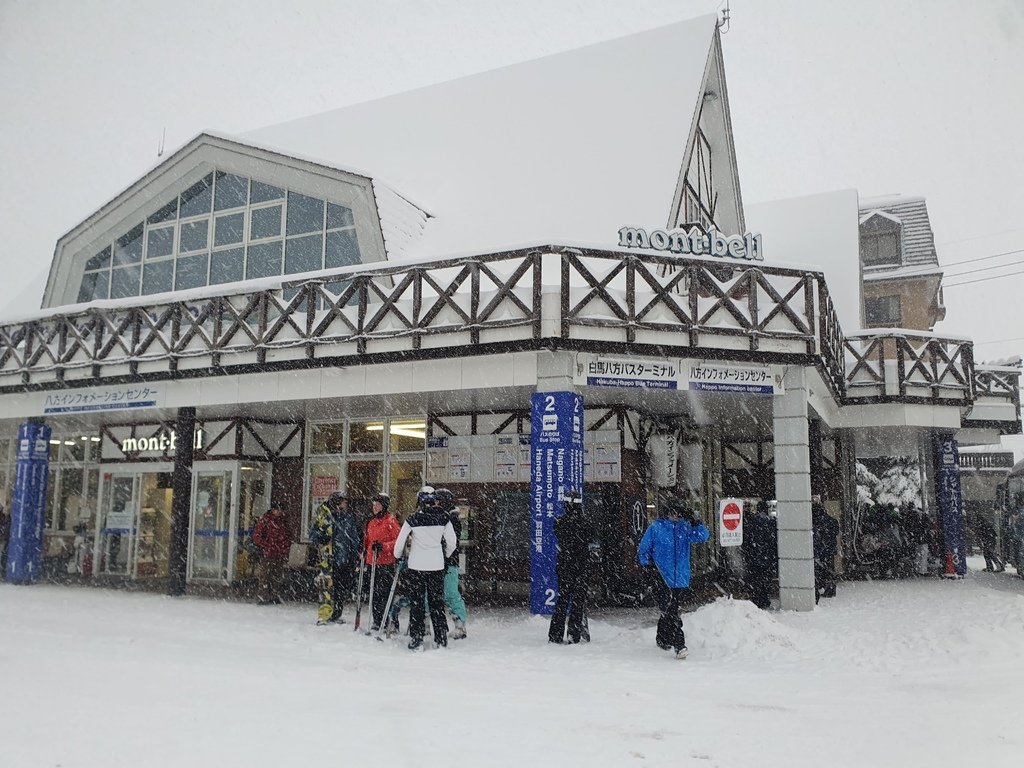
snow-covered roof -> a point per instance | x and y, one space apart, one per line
819 231
566 148
918 242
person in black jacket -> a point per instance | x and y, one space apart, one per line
825 530
761 555
571 569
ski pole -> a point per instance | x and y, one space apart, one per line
359 591
373 576
387 606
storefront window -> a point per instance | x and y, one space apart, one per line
365 478
407 435
366 437
406 481
327 438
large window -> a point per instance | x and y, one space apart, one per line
883 312
362 458
880 249
222 229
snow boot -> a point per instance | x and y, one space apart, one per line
682 653
459 632
416 645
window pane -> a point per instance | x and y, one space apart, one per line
191 272
265 222
408 435
364 480
303 254
128 248
328 438
366 437
264 260
305 214
339 216
232 191
93 282
228 229
168 213
193 235
159 242
101 259
157 277
124 282
342 248
262 193
226 266
198 198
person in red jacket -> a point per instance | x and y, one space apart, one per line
381 532
272 536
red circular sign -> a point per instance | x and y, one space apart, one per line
731 516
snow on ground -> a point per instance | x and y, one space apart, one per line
911 673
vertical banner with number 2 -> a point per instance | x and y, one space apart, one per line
556 451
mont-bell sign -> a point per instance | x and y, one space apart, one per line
694 243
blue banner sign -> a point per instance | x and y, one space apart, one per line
28 504
556 449
950 501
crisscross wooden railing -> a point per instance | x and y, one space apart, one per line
630 300
908 366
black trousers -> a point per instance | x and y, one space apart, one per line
343 584
572 600
824 581
381 588
670 625
761 583
426 586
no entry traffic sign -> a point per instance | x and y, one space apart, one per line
730 522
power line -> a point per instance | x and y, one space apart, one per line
998 341
982 279
925 270
984 269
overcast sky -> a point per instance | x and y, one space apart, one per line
922 97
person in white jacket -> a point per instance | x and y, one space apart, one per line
431 539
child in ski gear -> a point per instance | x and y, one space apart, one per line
335 532
381 532
432 540
452 596
761 555
665 550
571 569
272 536
825 532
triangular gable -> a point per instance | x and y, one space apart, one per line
882 215
708 189
162 217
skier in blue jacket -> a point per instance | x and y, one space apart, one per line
665 552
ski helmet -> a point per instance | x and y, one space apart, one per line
384 500
445 499
426 496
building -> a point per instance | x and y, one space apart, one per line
519 284
902 279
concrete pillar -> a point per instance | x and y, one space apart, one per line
555 371
181 501
793 492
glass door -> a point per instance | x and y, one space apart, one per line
116 540
153 542
253 501
213 508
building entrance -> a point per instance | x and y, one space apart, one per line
135 526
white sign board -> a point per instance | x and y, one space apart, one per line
678 374
730 522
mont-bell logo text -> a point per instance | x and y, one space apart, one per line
694 243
